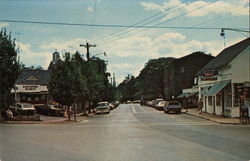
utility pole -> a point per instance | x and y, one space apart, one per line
87 46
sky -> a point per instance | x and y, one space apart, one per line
127 48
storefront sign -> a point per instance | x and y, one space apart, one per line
208 78
30 87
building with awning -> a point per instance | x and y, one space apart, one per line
188 97
32 84
224 83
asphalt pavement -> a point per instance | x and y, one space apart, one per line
129 133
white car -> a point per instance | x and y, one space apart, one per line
102 107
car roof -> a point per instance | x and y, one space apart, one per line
102 102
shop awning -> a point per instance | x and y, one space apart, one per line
216 88
183 95
204 90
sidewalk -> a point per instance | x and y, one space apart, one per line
60 120
215 118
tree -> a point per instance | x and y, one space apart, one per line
67 83
150 80
127 88
9 69
97 80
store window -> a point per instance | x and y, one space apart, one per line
210 100
218 99
23 98
29 99
43 97
36 98
182 69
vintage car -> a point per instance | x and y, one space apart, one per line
50 110
23 109
102 107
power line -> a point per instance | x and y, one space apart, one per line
144 20
157 25
95 25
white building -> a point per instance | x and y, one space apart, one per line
224 83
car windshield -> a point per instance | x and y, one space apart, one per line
27 106
174 103
103 104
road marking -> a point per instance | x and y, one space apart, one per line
133 109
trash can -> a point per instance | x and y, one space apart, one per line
244 114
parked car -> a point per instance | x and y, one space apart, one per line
114 104
160 105
23 109
50 110
149 103
102 107
156 101
173 106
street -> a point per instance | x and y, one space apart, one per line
129 133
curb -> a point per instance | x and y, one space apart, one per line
219 122
65 121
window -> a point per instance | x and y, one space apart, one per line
23 97
210 100
36 98
42 97
182 69
29 99
218 100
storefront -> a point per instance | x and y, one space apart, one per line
224 83
31 87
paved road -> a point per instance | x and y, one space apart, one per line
130 133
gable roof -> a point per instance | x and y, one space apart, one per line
227 55
42 77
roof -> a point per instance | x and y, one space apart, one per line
227 55
34 76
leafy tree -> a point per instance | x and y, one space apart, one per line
9 68
67 83
127 88
97 80
150 80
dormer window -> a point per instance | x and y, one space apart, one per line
32 78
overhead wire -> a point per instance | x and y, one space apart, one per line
168 20
93 20
144 20
211 21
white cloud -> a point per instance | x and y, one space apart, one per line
90 9
198 8
29 57
4 24
64 46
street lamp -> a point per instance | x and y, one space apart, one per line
104 53
222 33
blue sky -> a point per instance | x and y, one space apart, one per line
129 51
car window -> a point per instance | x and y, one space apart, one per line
174 103
27 106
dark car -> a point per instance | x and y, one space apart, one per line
50 110
23 109
173 106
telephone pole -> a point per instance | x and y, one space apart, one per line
87 46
